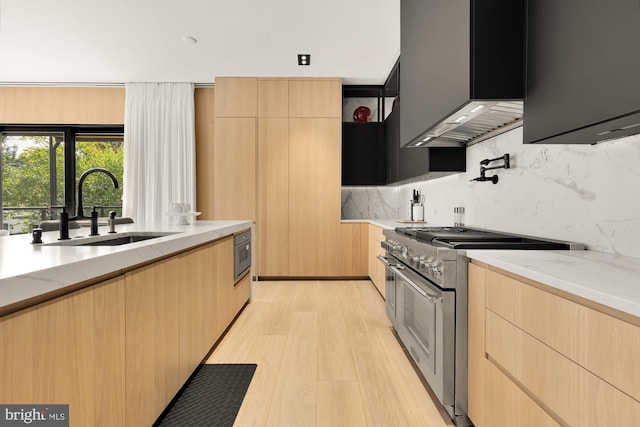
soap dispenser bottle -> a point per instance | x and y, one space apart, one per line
64 224
94 222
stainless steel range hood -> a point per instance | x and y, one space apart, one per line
474 122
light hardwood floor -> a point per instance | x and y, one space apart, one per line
326 356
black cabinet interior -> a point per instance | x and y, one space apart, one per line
363 154
583 66
363 143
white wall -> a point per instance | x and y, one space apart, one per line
582 193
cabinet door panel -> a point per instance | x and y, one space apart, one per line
235 168
236 96
314 194
224 284
152 329
315 98
507 405
576 395
476 351
355 248
273 197
580 333
68 351
273 97
376 268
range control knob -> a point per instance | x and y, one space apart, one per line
437 268
422 264
405 252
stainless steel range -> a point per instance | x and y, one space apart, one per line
426 300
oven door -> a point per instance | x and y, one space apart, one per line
426 328
390 289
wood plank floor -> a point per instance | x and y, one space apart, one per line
326 356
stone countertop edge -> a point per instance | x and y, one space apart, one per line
31 274
606 279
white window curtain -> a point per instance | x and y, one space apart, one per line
159 150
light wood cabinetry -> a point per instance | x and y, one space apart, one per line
118 351
152 329
476 354
62 105
273 196
573 363
376 268
508 406
314 196
225 306
236 97
571 392
285 174
354 249
273 97
315 98
299 230
235 168
579 333
69 351
197 300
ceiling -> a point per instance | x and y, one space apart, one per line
117 41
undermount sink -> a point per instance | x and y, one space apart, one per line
112 239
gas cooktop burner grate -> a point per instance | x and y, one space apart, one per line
470 238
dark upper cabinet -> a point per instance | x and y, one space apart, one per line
363 143
425 163
392 143
363 154
582 71
454 52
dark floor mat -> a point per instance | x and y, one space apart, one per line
212 397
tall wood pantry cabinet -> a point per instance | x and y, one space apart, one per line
276 161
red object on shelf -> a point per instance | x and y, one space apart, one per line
362 114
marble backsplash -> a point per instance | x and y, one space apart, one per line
370 202
581 193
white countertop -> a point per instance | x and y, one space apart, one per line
31 271
604 278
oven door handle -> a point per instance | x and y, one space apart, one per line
431 298
386 261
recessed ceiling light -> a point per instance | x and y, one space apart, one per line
189 40
304 59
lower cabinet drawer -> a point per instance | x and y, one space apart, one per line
241 292
588 337
506 405
574 394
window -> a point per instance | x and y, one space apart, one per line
41 165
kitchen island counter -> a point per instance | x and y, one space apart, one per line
608 280
33 273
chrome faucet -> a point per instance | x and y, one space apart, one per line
81 181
